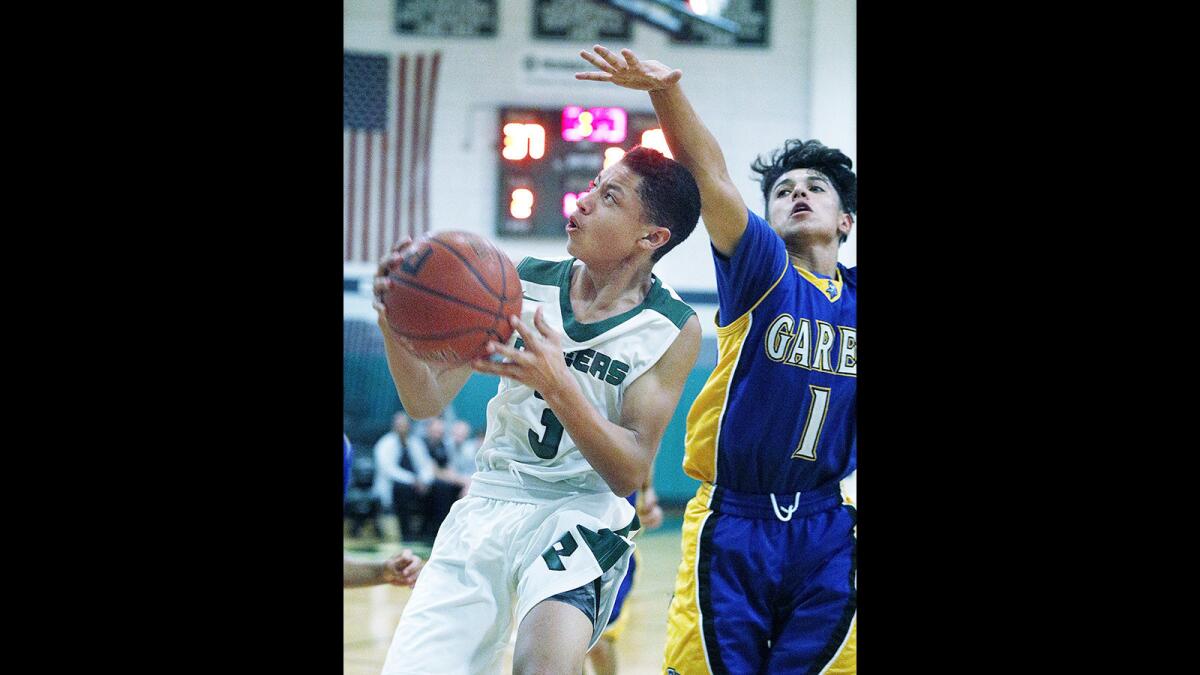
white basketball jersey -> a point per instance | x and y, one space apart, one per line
523 435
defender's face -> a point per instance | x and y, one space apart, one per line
804 205
609 219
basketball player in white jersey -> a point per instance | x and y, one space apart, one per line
542 541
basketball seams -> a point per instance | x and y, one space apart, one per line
412 284
466 263
503 276
451 334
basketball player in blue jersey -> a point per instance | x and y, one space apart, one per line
401 569
601 352
767 581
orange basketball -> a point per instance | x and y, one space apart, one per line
452 293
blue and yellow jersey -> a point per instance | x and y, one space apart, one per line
777 413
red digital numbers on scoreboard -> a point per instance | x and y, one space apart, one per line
524 140
522 203
598 125
547 157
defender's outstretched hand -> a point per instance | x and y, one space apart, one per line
627 71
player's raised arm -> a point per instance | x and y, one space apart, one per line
691 143
425 389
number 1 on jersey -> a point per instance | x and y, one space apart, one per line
812 426
547 446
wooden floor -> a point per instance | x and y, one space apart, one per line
370 614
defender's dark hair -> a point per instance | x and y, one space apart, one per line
668 192
798 154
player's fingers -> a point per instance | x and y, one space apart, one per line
393 256
675 76
527 333
504 351
599 77
544 328
610 57
493 368
401 244
630 58
596 61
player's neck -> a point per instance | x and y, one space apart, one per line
816 259
598 293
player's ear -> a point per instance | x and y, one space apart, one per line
845 224
657 237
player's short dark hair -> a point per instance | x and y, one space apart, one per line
798 154
668 192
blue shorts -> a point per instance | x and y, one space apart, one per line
763 587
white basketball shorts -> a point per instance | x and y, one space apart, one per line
494 559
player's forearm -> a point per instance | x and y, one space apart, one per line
692 144
423 391
613 451
721 204
357 573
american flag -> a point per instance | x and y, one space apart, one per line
387 117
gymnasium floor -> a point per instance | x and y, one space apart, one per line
369 615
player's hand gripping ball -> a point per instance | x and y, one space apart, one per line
451 293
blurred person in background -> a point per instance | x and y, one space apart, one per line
403 475
447 483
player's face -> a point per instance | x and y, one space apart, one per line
609 219
804 208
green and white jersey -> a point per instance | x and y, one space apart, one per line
523 435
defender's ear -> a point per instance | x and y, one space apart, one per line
845 224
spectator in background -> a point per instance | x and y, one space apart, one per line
447 483
463 445
403 475
361 504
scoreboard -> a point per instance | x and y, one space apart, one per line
547 157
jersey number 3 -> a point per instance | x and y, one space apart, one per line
546 447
